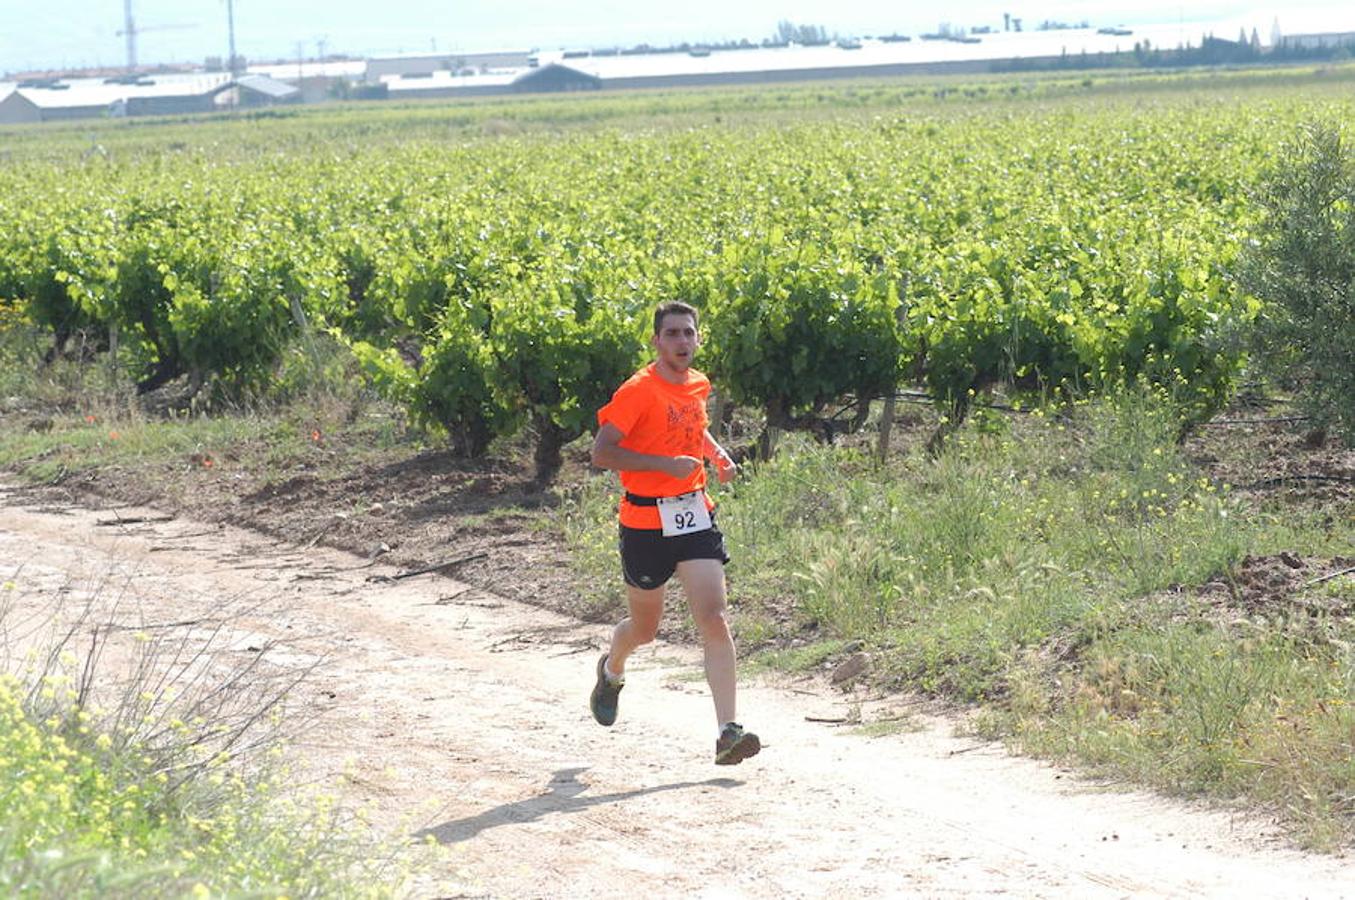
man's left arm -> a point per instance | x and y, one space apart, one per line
725 468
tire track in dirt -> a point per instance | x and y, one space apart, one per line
462 717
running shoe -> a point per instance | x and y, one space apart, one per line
735 745
605 694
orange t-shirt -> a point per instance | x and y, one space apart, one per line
664 419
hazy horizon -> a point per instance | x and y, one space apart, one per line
70 34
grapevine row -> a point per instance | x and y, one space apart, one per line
495 283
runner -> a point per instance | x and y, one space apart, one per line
654 432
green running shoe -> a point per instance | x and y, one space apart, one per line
605 694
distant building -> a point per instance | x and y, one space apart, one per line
168 104
16 107
417 86
555 77
380 68
1318 41
252 91
546 79
50 100
317 81
762 65
57 99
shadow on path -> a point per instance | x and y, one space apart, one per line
564 796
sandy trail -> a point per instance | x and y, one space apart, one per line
461 715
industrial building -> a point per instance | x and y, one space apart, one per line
549 78
616 70
57 99
379 68
1319 41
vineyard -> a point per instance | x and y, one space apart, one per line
493 282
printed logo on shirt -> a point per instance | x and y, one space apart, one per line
684 424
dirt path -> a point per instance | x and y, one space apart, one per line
463 716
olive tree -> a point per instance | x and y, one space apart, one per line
1301 263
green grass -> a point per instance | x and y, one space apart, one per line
802 658
1201 708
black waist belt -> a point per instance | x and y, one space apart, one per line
637 500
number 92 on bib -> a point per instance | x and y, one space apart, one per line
684 514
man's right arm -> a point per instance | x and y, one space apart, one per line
609 454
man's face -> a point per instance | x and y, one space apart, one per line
676 341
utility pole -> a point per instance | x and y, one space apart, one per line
129 29
230 24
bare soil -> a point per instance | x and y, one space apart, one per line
1277 464
459 716
412 510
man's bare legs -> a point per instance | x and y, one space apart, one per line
703 580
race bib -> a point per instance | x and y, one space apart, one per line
684 514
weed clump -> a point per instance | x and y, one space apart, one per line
140 762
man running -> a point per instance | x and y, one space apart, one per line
654 433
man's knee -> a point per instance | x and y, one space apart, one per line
646 612
712 621
645 630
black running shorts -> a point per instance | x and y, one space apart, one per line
648 559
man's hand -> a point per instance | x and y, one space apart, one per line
725 468
682 466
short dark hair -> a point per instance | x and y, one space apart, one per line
673 308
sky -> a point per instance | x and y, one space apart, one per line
48 34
